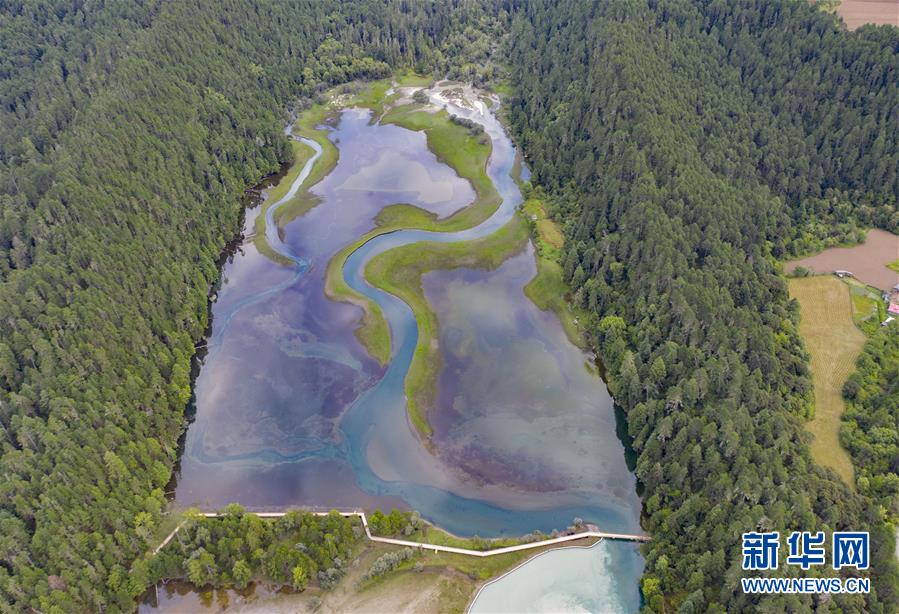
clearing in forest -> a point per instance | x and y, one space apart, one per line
834 343
868 262
857 13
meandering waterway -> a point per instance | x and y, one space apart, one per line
291 411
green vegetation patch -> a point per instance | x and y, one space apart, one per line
373 331
301 154
236 548
410 526
548 290
456 146
399 272
411 79
467 154
868 307
372 95
307 126
503 88
834 343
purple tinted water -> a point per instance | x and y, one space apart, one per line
291 411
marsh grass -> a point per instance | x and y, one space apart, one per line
399 272
548 290
467 155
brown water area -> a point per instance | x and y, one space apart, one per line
867 262
857 13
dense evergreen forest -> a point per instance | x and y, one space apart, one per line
236 547
687 146
870 428
128 133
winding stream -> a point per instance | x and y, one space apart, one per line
291 411
390 460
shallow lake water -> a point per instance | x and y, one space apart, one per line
291 411
565 580
513 388
283 363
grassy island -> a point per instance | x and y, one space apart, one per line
399 272
467 155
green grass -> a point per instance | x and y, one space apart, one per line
868 308
547 233
373 332
410 79
894 266
503 88
372 95
438 537
548 290
863 307
301 154
467 155
399 272
865 302
834 342
306 125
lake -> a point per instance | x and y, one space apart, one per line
574 579
289 409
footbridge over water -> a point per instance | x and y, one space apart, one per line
437 547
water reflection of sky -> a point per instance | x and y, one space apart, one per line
567 580
292 411
283 366
517 404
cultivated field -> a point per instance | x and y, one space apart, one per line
867 262
834 343
856 13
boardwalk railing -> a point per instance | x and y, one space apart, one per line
436 547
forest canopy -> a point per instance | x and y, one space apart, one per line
128 133
686 147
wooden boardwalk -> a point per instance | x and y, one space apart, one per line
437 547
